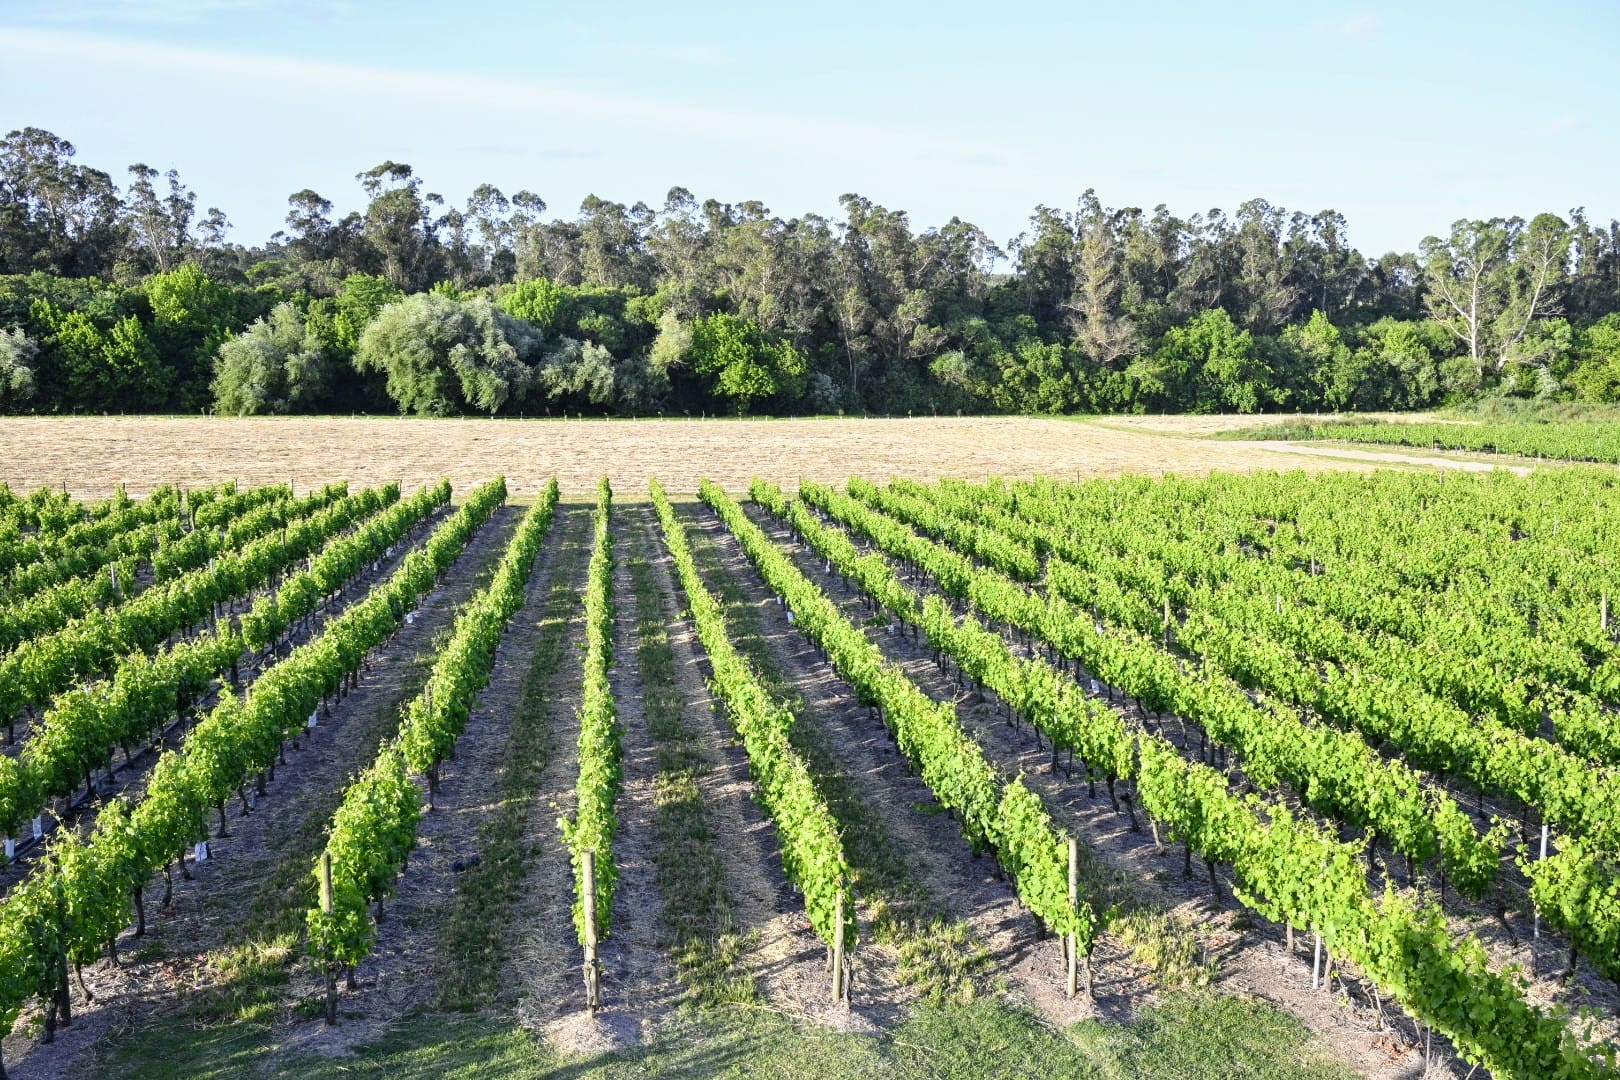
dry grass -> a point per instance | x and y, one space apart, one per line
90 455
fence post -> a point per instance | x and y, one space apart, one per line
1535 926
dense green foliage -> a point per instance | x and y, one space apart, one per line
436 717
82 726
374 828
74 906
1285 868
40 667
121 301
595 821
1000 816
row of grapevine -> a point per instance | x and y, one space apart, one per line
1289 870
589 833
813 854
48 512
36 564
1013 556
1573 892
1567 440
55 607
1239 632
83 726
73 907
30 561
374 828
1002 817
1506 609
300 594
41 667
1445 663
435 719
135 531
229 533
1333 773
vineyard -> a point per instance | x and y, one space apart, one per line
1592 440
1265 775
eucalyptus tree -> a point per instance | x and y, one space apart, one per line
399 225
1263 278
680 244
1489 281
55 215
612 242
1097 319
488 218
1592 288
159 225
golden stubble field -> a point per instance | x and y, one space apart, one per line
91 455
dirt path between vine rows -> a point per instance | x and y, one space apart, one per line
541 956
783 953
261 867
638 982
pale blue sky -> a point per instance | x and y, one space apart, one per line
1402 116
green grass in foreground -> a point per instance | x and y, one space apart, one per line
1192 1035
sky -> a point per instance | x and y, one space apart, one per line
1403 117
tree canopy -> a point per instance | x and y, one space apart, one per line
131 298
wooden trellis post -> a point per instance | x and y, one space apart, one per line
840 989
593 969
1073 942
326 907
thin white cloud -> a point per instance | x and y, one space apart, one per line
392 87
1358 26
170 12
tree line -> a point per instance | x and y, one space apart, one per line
128 299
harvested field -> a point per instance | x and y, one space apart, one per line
91 455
